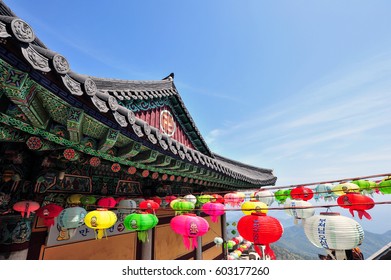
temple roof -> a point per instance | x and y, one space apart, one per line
107 101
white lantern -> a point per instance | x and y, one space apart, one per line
264 196
299 209
126 207
190 198
333 232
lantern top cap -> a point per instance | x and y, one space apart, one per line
258 214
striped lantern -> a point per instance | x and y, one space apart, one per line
214 210
299 209
141 222
190 227
265 196
385 185
331 231
190 198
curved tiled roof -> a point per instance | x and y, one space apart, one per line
105 93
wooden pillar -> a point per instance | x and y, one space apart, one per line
146 247
224 234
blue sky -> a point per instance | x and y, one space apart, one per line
301 87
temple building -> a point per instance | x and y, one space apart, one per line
64 136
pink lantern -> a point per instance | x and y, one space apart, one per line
26 207
106 202
214 210
190 226
233 199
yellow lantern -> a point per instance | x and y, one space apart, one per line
344 188
100 220
254 206
74 199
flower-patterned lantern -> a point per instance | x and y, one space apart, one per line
214 210
343 188
262 230
48 213
299 209
100 220
233 199
106 202
182 206
356 202
141 222
70 219
254 206
302 193
282 195
265 196
26 207
190 227
331 231
323 191
149 206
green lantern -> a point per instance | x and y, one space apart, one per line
88 200
365 185
385 186
282 195
205 198
182 206
141 222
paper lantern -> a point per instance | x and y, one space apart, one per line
323 191
149 206
302 193
204 198
343 188
218 241
106 202
365 186
126 207
70 219
170 198
299 209
262 230
26 207
48 213
332 231
385 186
356 202
157 199
265 196
233 199
182 206
217 198
74 199
254 206
190 198
190 227
214 210
88 200
100 220
282 195
141 222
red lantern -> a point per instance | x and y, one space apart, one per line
170 198
217 198
106 202
157 200
356 202
48 213
149 206
302 193
261 230
26 207
190 226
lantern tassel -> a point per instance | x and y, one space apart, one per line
364 213
143 236
269 252
186 242
49 222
